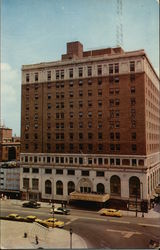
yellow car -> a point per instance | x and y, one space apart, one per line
110 212
15 217
31 218
41 222
53 222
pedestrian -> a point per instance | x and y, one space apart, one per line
36 239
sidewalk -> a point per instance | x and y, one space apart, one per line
152 213
12 236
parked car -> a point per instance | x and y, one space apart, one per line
53 222
110 212
41 222
60 210
31 218
15 217
31 204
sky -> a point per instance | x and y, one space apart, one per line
34 31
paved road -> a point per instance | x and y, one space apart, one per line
98 231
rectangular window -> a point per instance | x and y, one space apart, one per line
110 68
71 146
25 170
99 70
71 172
26 183
89 103
99 92
80 93
80 136
100 173
89 92
100 147
71 73
27 77
36 77
48 75
90 136
89 71
80 71
85 173
89 160
59 171
48 171
116 68
62 74
134 136
132 66
35 170
80 124
80 104
117 161
117 136
89 124
71 124
90 147
134 147
57 74
133 101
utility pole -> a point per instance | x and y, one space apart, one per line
53 213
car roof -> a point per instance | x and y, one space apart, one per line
13 214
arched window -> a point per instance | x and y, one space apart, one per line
48 187
71 187
59 188
134 187
100 188
115 185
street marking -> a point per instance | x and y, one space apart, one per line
120 221
67 223
125 234
148 225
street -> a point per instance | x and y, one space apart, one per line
96 230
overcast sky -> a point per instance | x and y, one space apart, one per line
35 31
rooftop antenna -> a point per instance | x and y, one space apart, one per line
119 26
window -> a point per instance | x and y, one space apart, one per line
117 113
71 104
117 102
111 102
117 147
48 171
49 106
80 136
116 79
71 94
89 114
71 146
71 172
89 71
59 188
27 77
57 74
71 114
100 173
99 81
100 147
112 147
59 171
35 170
117 124
90 147
80 147
80 93
100 161
85 173
71 73
118 162
134 162
80 124
99 92
80 71
49 96
111 113
48 75
89 160
111 91
26 146
100 136
99 70
89 124
26 183
71 136
116 68
132 77
89 103
80 104
132 66
99 124
71 124
80 83
112 136
62 74
117 136
133 90
80 114
134 147
89 92
116 91
36 76
133 101
90 136
48 187
134 136
99 103
25 170
110 68
99 114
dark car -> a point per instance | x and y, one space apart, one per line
31 204
60 210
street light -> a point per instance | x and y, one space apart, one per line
136 196
53 213
142 199
70 238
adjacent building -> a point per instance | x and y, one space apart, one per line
90 127
9 145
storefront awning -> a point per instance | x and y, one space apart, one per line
89 197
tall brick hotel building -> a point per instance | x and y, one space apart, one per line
90 127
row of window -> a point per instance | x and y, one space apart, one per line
60 171
80 160
60 74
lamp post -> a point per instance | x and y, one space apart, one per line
142 199
136 197
70 237
53 213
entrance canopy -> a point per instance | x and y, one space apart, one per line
89 197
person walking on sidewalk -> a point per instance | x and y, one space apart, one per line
36 239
